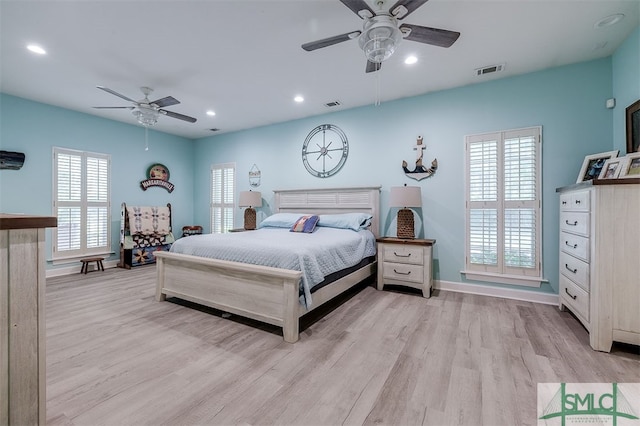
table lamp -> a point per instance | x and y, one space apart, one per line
250 199
403 197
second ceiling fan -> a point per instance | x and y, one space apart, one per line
381 32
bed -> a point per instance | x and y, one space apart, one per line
266 293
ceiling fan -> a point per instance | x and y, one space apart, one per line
147 112
381 33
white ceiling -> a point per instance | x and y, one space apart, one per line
243 58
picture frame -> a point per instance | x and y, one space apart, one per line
593 164
633 127
631 167
612 168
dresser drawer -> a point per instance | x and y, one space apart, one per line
575 222
574 297
399 253
575 245
576 201
403 272
575 269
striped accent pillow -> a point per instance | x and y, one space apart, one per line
305 224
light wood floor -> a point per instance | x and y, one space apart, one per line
117 357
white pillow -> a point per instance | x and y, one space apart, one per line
355 221
280 220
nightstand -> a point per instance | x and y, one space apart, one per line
406 263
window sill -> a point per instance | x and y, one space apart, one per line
61 260
504 279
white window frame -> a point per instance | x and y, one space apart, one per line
85 204
500 272
222 197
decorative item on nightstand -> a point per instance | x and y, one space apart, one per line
250 199
404 197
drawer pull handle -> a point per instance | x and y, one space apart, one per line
401 273
569 245
401 255
575 223
572 270
577 201
564 202
570 295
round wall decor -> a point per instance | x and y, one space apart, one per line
325 150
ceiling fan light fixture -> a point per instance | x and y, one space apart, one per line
146 118
379 38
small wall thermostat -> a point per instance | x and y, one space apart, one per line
611 103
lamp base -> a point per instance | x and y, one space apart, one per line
405 224
250 219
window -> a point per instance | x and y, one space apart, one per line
503 207
222 197
81 202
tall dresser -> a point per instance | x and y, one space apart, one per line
22 322
599 279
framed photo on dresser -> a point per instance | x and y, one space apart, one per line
612 168
593 164
631 166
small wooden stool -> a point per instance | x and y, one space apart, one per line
85 263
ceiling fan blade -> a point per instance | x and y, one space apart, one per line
434 36
178 116
106 89
358 5
313 45
164 102
129 107
373 66
409 5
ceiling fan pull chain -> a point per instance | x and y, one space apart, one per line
377 100
146 138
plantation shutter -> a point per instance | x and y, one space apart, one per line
81 203
222 197
503 204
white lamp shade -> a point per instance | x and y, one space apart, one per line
250 199
405 196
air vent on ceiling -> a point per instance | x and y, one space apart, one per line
490 69
332 104
215 129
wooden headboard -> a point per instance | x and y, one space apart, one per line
331 200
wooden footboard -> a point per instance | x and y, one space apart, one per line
259 292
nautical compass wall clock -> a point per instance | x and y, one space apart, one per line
325 150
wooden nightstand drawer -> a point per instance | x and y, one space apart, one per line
405 263
403 254
403 272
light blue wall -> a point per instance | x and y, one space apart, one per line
569 102
626 86
35 128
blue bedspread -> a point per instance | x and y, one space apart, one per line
316 255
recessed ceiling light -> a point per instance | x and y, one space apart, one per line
36 49
298 99
211 113
609 20
410 60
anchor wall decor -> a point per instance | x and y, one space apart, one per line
420 171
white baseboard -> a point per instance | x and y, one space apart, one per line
69 270
505 293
